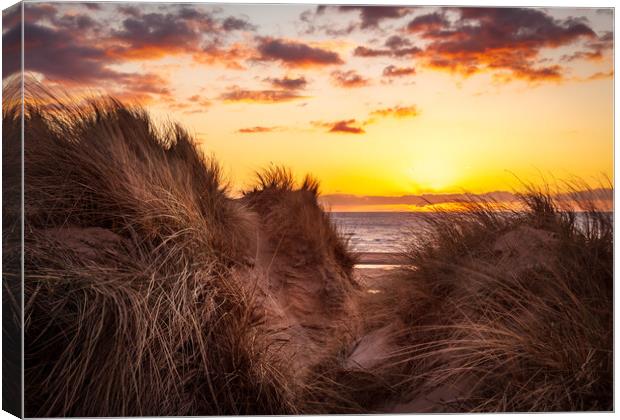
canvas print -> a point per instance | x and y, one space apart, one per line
284 209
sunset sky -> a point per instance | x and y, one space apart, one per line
373 101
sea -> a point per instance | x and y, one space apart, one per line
384 232
388 232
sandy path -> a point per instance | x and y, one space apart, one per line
379 327
382 294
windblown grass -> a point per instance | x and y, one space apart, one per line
138 283
511 311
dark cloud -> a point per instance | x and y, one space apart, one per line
152 35
78 22
11 17
11 40
348 79
310 25
62 56
59 54
395 46
427 23
371 52
595 48
289 83
397 53
38 13
179 30
372 16
396 42
234 24
33 13
236 94
506 40
76 48
295 54
393 71
132 11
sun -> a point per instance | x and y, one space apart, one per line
436 174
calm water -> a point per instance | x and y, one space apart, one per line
389 231
378 232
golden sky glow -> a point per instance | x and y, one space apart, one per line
384 101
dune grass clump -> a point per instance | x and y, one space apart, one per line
510 310
293 213
134 261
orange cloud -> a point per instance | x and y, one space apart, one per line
350 126
397 112
231 56
346 126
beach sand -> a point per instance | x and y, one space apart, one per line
380 258
379 286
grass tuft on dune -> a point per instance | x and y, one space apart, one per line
510 311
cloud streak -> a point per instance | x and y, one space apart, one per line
258 129
236 94
604 196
